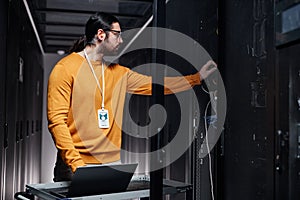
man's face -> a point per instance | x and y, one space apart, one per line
113 39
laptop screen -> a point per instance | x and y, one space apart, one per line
101 179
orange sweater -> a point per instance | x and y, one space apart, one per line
73 101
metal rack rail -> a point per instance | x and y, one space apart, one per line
42 191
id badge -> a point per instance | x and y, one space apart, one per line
103 118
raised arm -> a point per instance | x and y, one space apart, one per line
142 84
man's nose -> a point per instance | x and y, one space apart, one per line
120 40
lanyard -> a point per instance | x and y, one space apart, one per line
95 76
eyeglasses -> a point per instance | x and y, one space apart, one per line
118 34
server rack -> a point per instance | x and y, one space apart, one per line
198 20
3 133
21 102
248 55
287 182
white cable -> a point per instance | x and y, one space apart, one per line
208 151
204 89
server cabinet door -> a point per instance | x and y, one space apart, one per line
3 134
11 74
246 32
294 124
282 129
288 124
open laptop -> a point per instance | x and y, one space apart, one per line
99 179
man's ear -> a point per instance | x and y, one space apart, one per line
101 34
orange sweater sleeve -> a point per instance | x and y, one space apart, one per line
142 84
59 98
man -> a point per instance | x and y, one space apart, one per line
86 97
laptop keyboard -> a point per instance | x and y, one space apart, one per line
58 192
138 185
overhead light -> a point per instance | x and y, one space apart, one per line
60 52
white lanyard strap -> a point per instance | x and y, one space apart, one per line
95 76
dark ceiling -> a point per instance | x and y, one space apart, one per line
60 22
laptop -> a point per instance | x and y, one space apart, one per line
98 179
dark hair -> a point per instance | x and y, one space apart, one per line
99 20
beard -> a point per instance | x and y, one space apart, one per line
111 55
111 51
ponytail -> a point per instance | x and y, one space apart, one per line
78 45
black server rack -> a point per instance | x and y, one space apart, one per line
33 87
12 76
248 55
22 102
199 21
294 123
287 149
3 133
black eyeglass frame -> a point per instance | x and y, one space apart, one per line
118 32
